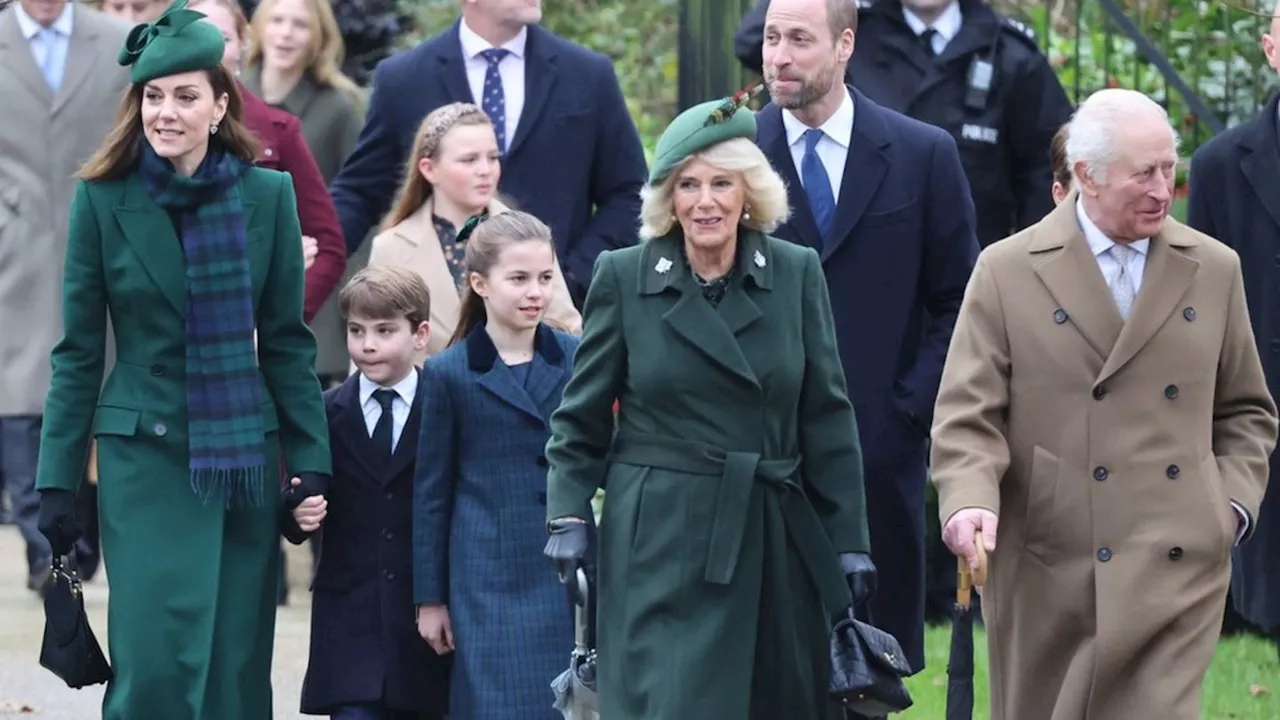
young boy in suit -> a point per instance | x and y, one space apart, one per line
367 660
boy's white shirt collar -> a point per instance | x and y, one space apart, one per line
406 388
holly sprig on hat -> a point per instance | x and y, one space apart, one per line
733 103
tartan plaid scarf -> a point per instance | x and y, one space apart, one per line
224 413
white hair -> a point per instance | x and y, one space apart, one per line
1091 132
765 194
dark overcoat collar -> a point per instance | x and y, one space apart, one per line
354 434
548 371
866 165
1259 149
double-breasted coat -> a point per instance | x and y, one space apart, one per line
365 646
734 479
1111 451
414 244
1235 197
193 585
479 524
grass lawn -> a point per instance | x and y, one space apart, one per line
1243 682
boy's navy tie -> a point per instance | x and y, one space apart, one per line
382 436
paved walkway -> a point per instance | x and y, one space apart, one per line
29 691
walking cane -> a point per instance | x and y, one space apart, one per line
960 665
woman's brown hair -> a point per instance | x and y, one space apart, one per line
324 57
118 154
484 247
1058 158
414 189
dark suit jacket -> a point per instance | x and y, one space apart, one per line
365 645
1235 197
901 248
283 148
575 160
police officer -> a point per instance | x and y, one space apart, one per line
958 65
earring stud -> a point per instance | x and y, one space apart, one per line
213 129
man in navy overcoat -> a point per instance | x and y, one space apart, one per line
898 246
571 154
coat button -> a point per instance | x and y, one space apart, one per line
1099 473
1189 313
541 460
1099 392
389 575
160 430
388 535
1175 554
1104 554
389 496
268 152
157 370
1172 471
1275 346
1171 391
1060 316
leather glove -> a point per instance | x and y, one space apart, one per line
860 573
567 548
57 521
312 484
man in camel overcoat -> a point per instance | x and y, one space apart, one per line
1104 426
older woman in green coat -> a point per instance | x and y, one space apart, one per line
191 251
733 528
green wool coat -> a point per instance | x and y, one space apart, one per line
193 586
734 480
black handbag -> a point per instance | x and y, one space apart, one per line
867 668
70 649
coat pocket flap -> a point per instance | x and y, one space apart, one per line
116 421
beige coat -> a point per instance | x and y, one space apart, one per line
44 139
414 244
1111 452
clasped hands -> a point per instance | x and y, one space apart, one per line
304 501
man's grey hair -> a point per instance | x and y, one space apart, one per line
1091 132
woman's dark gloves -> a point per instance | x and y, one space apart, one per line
860 573
292 496
567 546
57 521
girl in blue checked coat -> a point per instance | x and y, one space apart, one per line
483 590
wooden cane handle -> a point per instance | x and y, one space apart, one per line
979 576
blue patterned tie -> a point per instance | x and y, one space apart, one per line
494 103
817 185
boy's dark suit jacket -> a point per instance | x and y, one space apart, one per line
365 645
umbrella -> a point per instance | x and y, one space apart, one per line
575 688
960 664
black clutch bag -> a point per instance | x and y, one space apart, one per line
867 668
70 650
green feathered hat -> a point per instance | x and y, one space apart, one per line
702 126
176 42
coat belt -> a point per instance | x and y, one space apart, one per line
738 473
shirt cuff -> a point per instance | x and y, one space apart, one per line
1243 530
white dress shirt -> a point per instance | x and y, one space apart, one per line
405 391
832 149
945 27
1099 244
40 44
511 70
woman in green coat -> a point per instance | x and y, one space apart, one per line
733 527
191 251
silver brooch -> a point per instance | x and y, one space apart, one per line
663 266
759 259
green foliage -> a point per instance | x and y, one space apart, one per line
1241 683
640 36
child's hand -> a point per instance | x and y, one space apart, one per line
434 627
310 250
310 512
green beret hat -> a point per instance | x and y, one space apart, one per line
176 42
702 126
